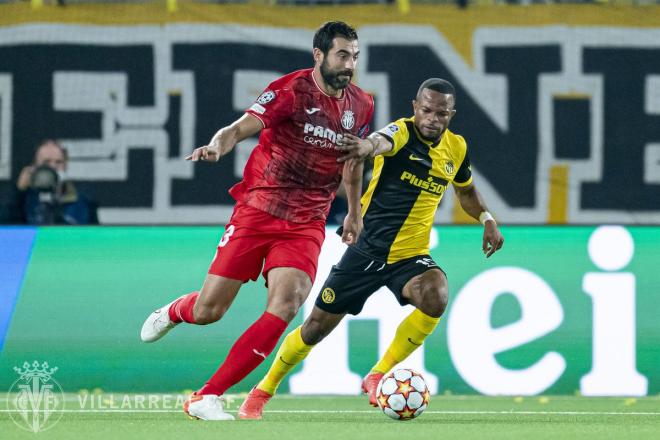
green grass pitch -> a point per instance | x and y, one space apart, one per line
318 418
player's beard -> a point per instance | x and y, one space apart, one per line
331 77
433 136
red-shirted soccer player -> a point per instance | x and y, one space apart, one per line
278 223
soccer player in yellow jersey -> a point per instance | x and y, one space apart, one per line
415 160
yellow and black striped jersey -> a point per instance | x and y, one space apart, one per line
408 183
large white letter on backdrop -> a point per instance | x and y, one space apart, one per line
614 370
473 343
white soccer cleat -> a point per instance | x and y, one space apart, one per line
158 324
206 407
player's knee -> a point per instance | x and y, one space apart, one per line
434 299
312 332
206 314
286 306
286 310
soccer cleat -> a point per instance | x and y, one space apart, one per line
206 407
253 405
370 385
158 324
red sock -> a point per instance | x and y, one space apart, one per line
182 309
248 352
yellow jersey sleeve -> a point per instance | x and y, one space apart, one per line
398 135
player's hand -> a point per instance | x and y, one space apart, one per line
354 147
352 229
493 239
207 153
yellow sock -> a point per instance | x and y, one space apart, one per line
409 336
292 351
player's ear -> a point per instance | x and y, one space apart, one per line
414 103
318 55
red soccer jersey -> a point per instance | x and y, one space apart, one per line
293 172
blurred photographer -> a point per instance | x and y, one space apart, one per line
44 195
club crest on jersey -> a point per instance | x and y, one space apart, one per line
347 120
266 97
449 167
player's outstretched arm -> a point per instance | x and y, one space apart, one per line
353 183
226 138
357 148
472 203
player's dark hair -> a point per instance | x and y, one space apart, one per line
331 30
439 85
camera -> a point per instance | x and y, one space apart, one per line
43 197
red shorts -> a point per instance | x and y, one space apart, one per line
255 241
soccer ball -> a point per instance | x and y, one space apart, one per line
403 394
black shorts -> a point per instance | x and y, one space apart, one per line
357 276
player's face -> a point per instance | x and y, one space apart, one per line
339 63
433 111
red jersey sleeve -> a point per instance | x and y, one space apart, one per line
365 129
273 105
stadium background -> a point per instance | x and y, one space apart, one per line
559 104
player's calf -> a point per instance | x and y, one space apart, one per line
208 314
